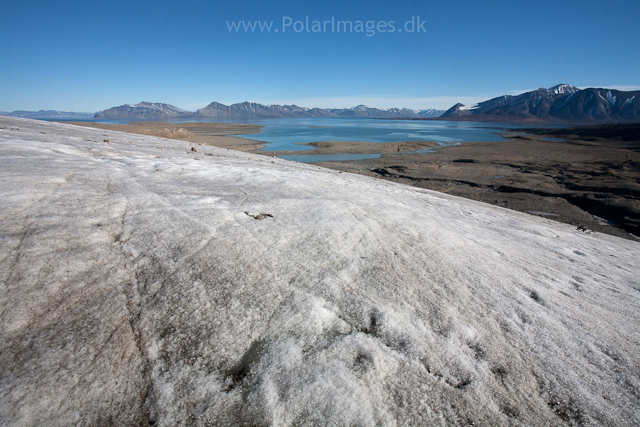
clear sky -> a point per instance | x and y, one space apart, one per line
91 55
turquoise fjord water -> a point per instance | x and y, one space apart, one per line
287 134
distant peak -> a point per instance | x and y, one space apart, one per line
146 104
563 88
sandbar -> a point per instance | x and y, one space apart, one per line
216 134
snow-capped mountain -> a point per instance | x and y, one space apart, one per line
144 110
378 113
563 88
558 103
364 111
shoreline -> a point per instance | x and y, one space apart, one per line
489 118
592 184
355 147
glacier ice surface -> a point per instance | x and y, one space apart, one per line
135 289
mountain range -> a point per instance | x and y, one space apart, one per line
49 115
252 110
561 103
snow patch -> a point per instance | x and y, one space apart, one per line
562 89
469 107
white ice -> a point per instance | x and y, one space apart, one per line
142 282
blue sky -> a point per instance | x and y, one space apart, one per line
92 55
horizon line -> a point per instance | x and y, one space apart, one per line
349 102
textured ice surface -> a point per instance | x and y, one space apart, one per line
142 282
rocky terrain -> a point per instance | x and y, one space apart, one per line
585 176
152 281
